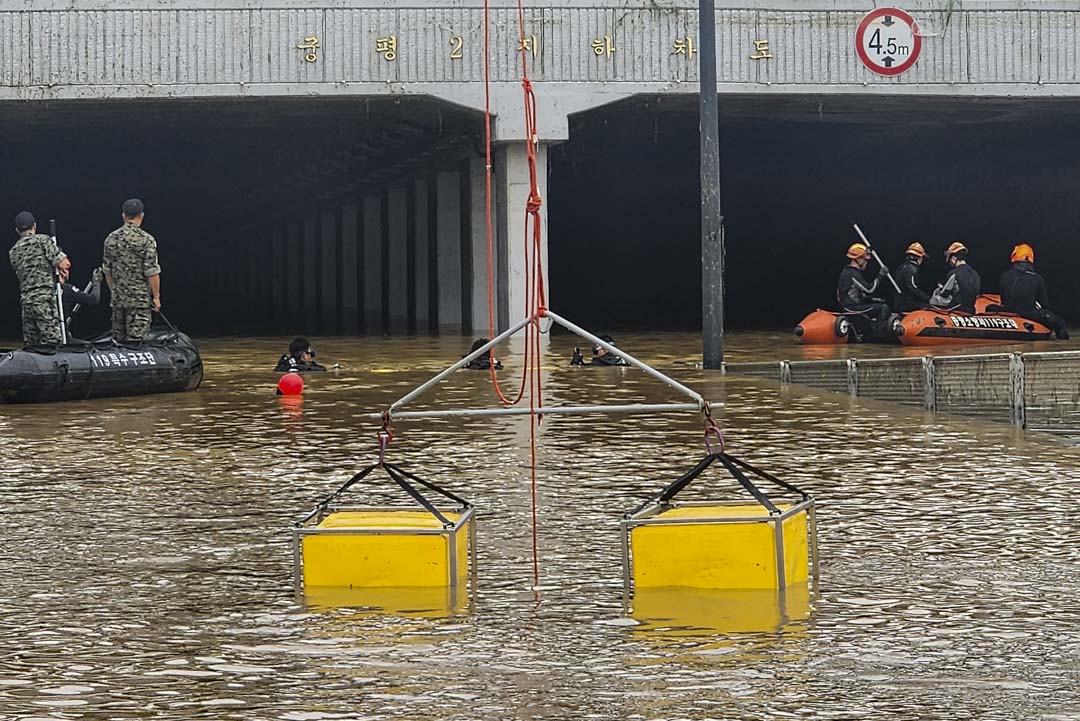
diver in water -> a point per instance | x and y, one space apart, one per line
483 362
1023 291
601 356
299 359
962 285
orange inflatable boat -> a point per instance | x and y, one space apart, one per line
935 327
990 324
824 327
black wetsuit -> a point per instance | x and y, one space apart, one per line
962 287
855 295
73 296
287 363
608 359
911 296
1023 291
483 363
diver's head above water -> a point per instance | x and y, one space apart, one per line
301 350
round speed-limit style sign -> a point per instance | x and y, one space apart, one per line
888 41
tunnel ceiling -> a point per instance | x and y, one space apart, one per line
892 110
223 158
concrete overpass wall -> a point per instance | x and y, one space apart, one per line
78 49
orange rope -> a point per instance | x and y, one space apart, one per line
535 300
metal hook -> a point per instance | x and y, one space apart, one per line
385 435
711 428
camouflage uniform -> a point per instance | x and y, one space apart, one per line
34 259
130 259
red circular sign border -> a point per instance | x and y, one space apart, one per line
902 67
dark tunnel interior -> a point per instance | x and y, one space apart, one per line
208 171
623 191
796 173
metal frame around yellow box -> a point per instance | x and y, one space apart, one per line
465 522
650 517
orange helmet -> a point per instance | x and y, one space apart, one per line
1022 252
916 249
955 249
857 250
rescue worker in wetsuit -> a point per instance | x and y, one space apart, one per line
911 296
855 294
962 285
1023 291
483 362
299 359
73 296
601 356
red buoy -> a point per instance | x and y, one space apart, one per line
291 384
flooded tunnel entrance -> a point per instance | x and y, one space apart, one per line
797 171
242 195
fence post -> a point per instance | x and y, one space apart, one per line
929 384
852 377
785 373
1017 410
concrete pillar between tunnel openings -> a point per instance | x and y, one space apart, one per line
398 268
328 230
420 280
293 254
311 273
278 290
512 192
372 243
350 306
478 246
448 255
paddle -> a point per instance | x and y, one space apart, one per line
59 291
874 253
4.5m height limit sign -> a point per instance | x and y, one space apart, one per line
888 41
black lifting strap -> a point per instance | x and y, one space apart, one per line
399 475
352 481
417 495
733 466
769 477
429 485
747 483
676 486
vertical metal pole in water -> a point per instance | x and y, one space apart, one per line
712 222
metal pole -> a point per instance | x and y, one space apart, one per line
625 356
545 411
458 364
712 222
873 252
59 292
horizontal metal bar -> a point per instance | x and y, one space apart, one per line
1053 355
671 382
459 364
703 521
377 531
546 410
646 515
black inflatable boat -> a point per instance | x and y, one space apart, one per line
168 362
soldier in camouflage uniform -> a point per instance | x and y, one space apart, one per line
35 259
133 274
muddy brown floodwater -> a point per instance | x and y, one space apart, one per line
146 568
